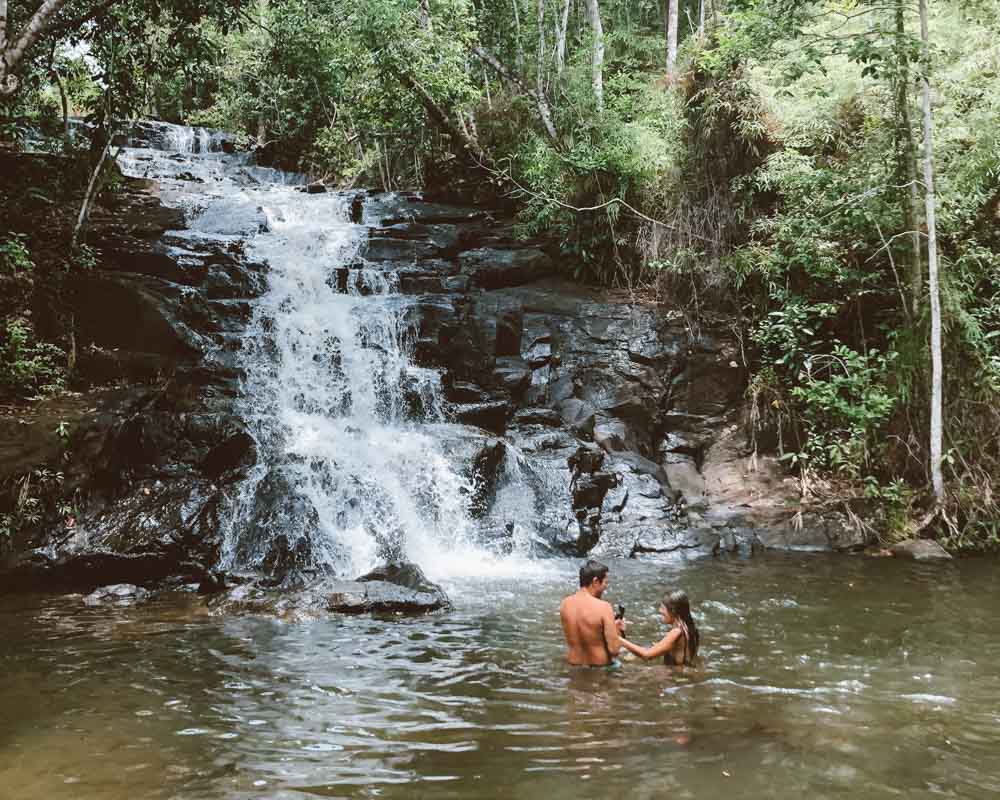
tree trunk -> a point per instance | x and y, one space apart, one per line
937 366
65 105
673 11
701 19
540 76
3 26
455 127
597 55
517 38
88 196
561 27
12 50
907 165
425 16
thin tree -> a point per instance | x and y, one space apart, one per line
540 76
597 54
519 54
906 156
561 26
937 366
673 13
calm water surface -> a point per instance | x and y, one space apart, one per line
824 676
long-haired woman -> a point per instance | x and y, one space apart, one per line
680 646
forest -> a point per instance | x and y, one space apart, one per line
822 177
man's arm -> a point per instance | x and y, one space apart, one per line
612 639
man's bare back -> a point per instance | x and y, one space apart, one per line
592 635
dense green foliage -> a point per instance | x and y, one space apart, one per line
773 175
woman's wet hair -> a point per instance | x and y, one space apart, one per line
677 603
590 571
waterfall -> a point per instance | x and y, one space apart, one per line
357 463
341 414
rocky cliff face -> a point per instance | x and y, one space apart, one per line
623 421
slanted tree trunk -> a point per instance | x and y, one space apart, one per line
454 125
88 196
673 12
561 26
597 54
541 103
12 49
937 366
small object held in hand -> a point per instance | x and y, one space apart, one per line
620 613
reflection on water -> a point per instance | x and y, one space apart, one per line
822 676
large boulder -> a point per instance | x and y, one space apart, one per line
490 268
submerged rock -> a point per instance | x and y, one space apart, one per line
400 588
119 594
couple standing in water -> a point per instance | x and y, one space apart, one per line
594 636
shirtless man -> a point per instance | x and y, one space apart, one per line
589 625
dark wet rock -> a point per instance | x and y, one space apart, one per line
489 268
400 208
391 589
485 475
141 314
117 594
381 248
381 597
585 460
445 238
589 490
491 416
537 416
280 530
512 376
920 550
405 574
316 187
463 391
151 533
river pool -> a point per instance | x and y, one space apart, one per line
824 676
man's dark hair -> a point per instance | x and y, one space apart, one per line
590 571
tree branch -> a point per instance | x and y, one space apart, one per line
541 103
444 119
10 57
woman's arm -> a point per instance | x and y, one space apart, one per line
661 648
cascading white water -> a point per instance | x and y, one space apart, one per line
339 410
356 462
